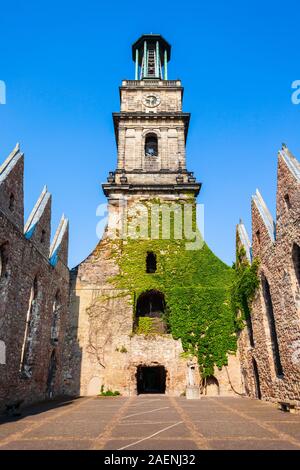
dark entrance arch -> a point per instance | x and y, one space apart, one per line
151 379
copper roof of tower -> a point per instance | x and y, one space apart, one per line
151 37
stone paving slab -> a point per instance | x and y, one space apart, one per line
254 444
74 429
46 444
293 429
141 431
233 429
151 445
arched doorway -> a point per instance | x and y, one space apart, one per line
151 379
212 388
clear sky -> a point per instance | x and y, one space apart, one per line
62 62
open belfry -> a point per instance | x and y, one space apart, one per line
151 309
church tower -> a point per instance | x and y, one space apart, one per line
148 312
151 128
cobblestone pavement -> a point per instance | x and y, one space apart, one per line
152 422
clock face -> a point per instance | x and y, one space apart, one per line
151 101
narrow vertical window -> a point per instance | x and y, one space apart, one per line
27 362
287 201
256 379
258 236
272 326
55 319
250 330
150 262
296 261
2 262
11 202
43 236
51 375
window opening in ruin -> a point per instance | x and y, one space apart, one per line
56 309
151 379
2 262
151 145
26 362
43 236
272 326
258 236
296 261
11 202
51 375
2 352
250 330
150 262
287 201
256 379
150 304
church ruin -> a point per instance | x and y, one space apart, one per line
148 311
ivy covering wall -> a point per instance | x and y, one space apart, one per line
196 286
198 289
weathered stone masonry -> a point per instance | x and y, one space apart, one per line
34 292
270 360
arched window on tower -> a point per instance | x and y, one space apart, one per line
151 145
296 261
272 326
32 317
151 262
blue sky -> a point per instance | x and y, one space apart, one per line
62 62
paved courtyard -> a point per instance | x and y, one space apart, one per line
152 422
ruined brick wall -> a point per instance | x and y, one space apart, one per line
271 367
29 263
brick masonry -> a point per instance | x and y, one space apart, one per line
24 258
273 244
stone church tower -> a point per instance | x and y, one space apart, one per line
120 336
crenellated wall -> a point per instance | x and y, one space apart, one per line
271 367
34 292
